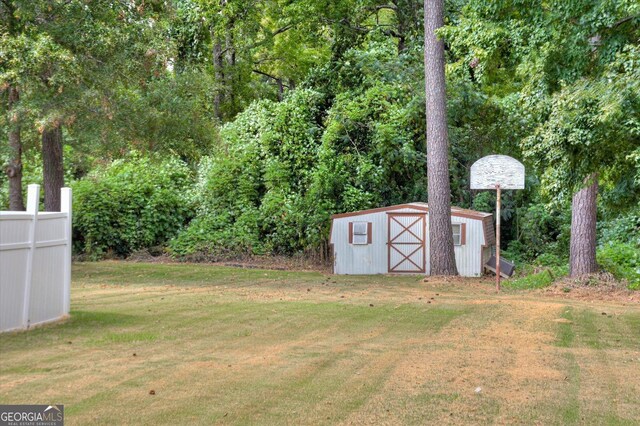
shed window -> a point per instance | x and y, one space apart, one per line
360 232
457 234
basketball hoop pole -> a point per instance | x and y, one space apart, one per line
497 172
498 238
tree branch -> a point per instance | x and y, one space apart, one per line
387 6
281 30
272 77
271 35
623 20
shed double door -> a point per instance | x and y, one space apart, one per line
406 244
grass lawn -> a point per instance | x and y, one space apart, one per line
196 344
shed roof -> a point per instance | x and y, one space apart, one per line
455 211
486 218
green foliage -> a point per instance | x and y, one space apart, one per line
169 115
592 127
538 279
570 96
541 230
226 193
130 204
283 168
550 260
622 229
67 59
622 260
372 152
250 193
571 90
538 272
373 146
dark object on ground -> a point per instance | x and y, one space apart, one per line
506 267
156 251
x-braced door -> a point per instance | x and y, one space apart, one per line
406 244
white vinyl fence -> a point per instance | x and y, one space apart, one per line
35 263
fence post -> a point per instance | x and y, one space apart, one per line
66 207
33 201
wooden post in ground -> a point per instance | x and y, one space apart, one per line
498 238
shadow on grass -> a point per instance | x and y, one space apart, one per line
101 319
80 323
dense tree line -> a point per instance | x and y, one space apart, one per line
276 114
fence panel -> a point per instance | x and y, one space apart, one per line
35 264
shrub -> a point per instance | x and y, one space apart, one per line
622 260
540 279
542 231
227 192
216 237
550 260
625 228
249 192
130 204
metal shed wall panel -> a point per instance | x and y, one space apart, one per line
469 255
355 259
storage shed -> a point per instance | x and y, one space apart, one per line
395 239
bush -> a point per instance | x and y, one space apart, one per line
249 194
227 192
542 232
539 279
622 260
623 229
131 204
550 260
215 237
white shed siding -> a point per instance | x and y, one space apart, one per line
469 256
354 259
373 258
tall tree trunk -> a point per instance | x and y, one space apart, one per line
230 63
219 77
441 254
219 65
582 258
14 168
52 170
404 14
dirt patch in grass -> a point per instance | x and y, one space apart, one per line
473 368
598 287
271 262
